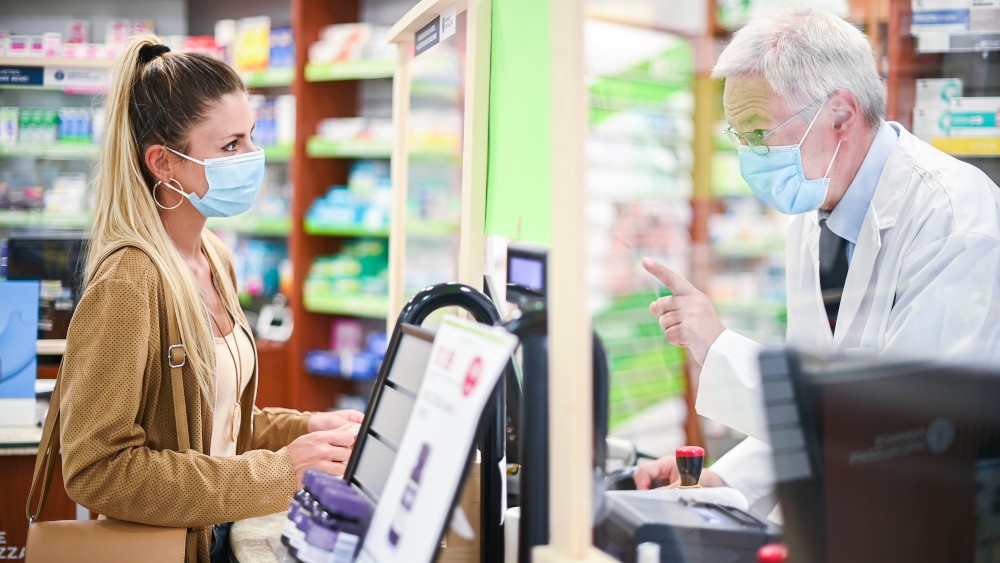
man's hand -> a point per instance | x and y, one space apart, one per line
663 472
334 420
687 317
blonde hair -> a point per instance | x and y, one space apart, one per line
156 98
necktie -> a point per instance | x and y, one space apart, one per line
832 270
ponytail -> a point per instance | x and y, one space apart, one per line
156 97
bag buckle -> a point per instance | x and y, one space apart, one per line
170 356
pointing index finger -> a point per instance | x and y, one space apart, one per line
674 281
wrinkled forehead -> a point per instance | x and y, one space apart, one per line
749 103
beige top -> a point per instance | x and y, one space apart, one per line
223 430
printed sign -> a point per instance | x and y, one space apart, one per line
465 364
428 36
20 76
58 77
449 23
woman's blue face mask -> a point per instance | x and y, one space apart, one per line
778 180
233 183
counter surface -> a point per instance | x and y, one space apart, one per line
248 538
19 440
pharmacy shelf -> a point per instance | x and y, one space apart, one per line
757 308
968 146
317 147
732 250
958 42
50 151
278 153
314 227
350 70
414 228
63 62
366 306
260 226
43 219
271 78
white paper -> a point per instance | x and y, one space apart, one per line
448 23
466 362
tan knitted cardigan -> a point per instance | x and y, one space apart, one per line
119 443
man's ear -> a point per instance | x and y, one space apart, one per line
158 162
846 112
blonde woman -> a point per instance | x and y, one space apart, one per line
178 148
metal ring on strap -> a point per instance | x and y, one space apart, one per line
170 356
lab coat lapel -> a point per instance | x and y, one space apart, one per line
807 324
880 217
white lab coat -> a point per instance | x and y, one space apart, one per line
924 282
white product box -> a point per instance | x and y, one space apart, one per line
930 121
940 91
974 117
940 16
8 124
984 20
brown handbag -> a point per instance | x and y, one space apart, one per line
86 541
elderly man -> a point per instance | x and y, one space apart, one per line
893 246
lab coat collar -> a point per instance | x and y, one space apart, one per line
881 216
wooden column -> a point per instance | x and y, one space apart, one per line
570 402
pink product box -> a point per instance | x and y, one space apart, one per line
78 31
52 44
347 334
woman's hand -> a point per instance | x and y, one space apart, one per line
324 450
334 420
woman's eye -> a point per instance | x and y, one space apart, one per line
230 147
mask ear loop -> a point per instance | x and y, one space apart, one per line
830 167
168 183
808 129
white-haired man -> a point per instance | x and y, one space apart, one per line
902 240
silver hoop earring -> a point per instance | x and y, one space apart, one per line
169 182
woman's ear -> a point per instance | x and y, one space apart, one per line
158 162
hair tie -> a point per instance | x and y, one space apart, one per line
150 52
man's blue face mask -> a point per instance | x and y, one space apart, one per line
233 183
777 177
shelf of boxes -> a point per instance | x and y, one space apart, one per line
969 147
50 151
364 306
359 69
39 219
270 78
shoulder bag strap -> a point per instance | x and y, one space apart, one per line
48 447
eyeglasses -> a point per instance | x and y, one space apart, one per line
755 139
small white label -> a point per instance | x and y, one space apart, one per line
448 23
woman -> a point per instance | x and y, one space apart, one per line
177 149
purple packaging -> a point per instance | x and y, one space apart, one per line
334 531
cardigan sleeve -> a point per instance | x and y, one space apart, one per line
108 464
275 428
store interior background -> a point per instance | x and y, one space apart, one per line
662 181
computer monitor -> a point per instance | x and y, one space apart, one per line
56 261
885 461
388 413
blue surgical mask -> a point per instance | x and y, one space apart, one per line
233 183
778 180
